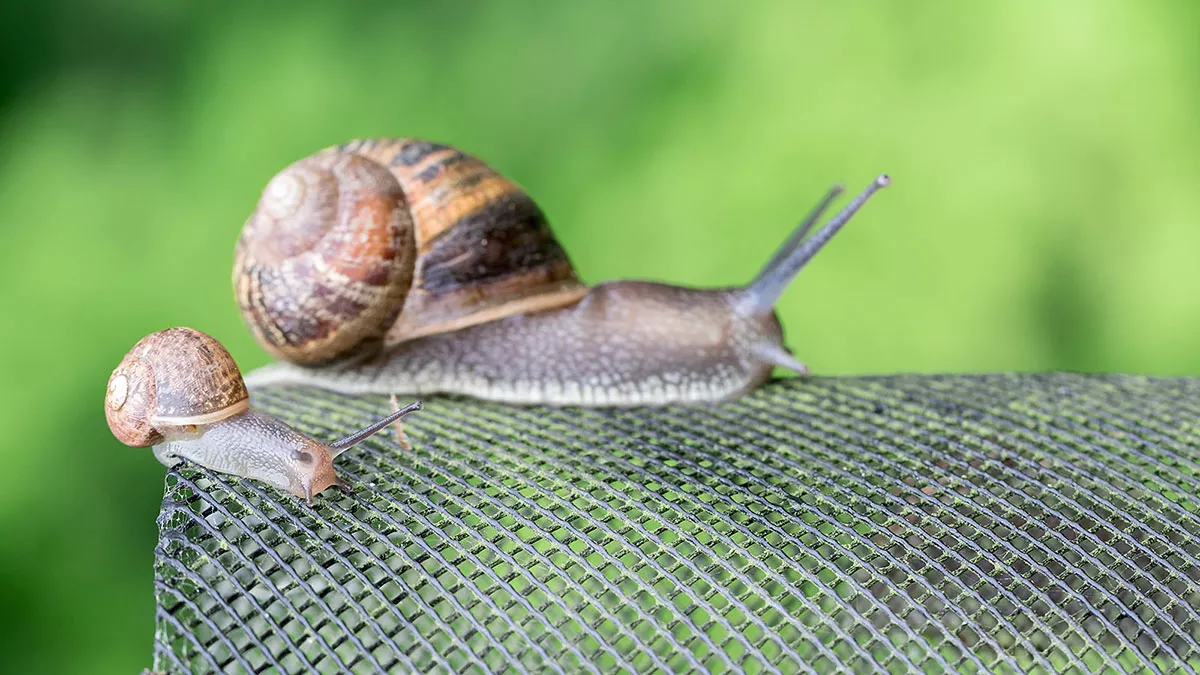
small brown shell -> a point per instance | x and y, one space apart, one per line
175 377
326 259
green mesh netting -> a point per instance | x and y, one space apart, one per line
938 524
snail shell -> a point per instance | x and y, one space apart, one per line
325 261
382 241
172 378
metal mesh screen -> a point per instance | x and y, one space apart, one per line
909 524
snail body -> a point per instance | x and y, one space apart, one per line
489 305
256 446
559 356
180 391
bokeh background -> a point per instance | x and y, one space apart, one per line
1045 213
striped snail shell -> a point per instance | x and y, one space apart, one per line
375 242
172 378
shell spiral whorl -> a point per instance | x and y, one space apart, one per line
174 377
325 261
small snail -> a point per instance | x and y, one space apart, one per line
180 391
383 266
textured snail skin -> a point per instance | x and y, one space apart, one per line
625 343
256 446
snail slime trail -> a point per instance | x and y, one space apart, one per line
400 265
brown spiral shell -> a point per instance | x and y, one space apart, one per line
325 260
175 377
475 248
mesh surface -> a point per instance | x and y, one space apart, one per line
936 524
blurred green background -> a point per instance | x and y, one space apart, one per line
1044 216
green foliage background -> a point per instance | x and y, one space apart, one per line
1044 215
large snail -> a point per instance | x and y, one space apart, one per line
405 266
180 391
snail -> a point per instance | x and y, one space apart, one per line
180 391
400 265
